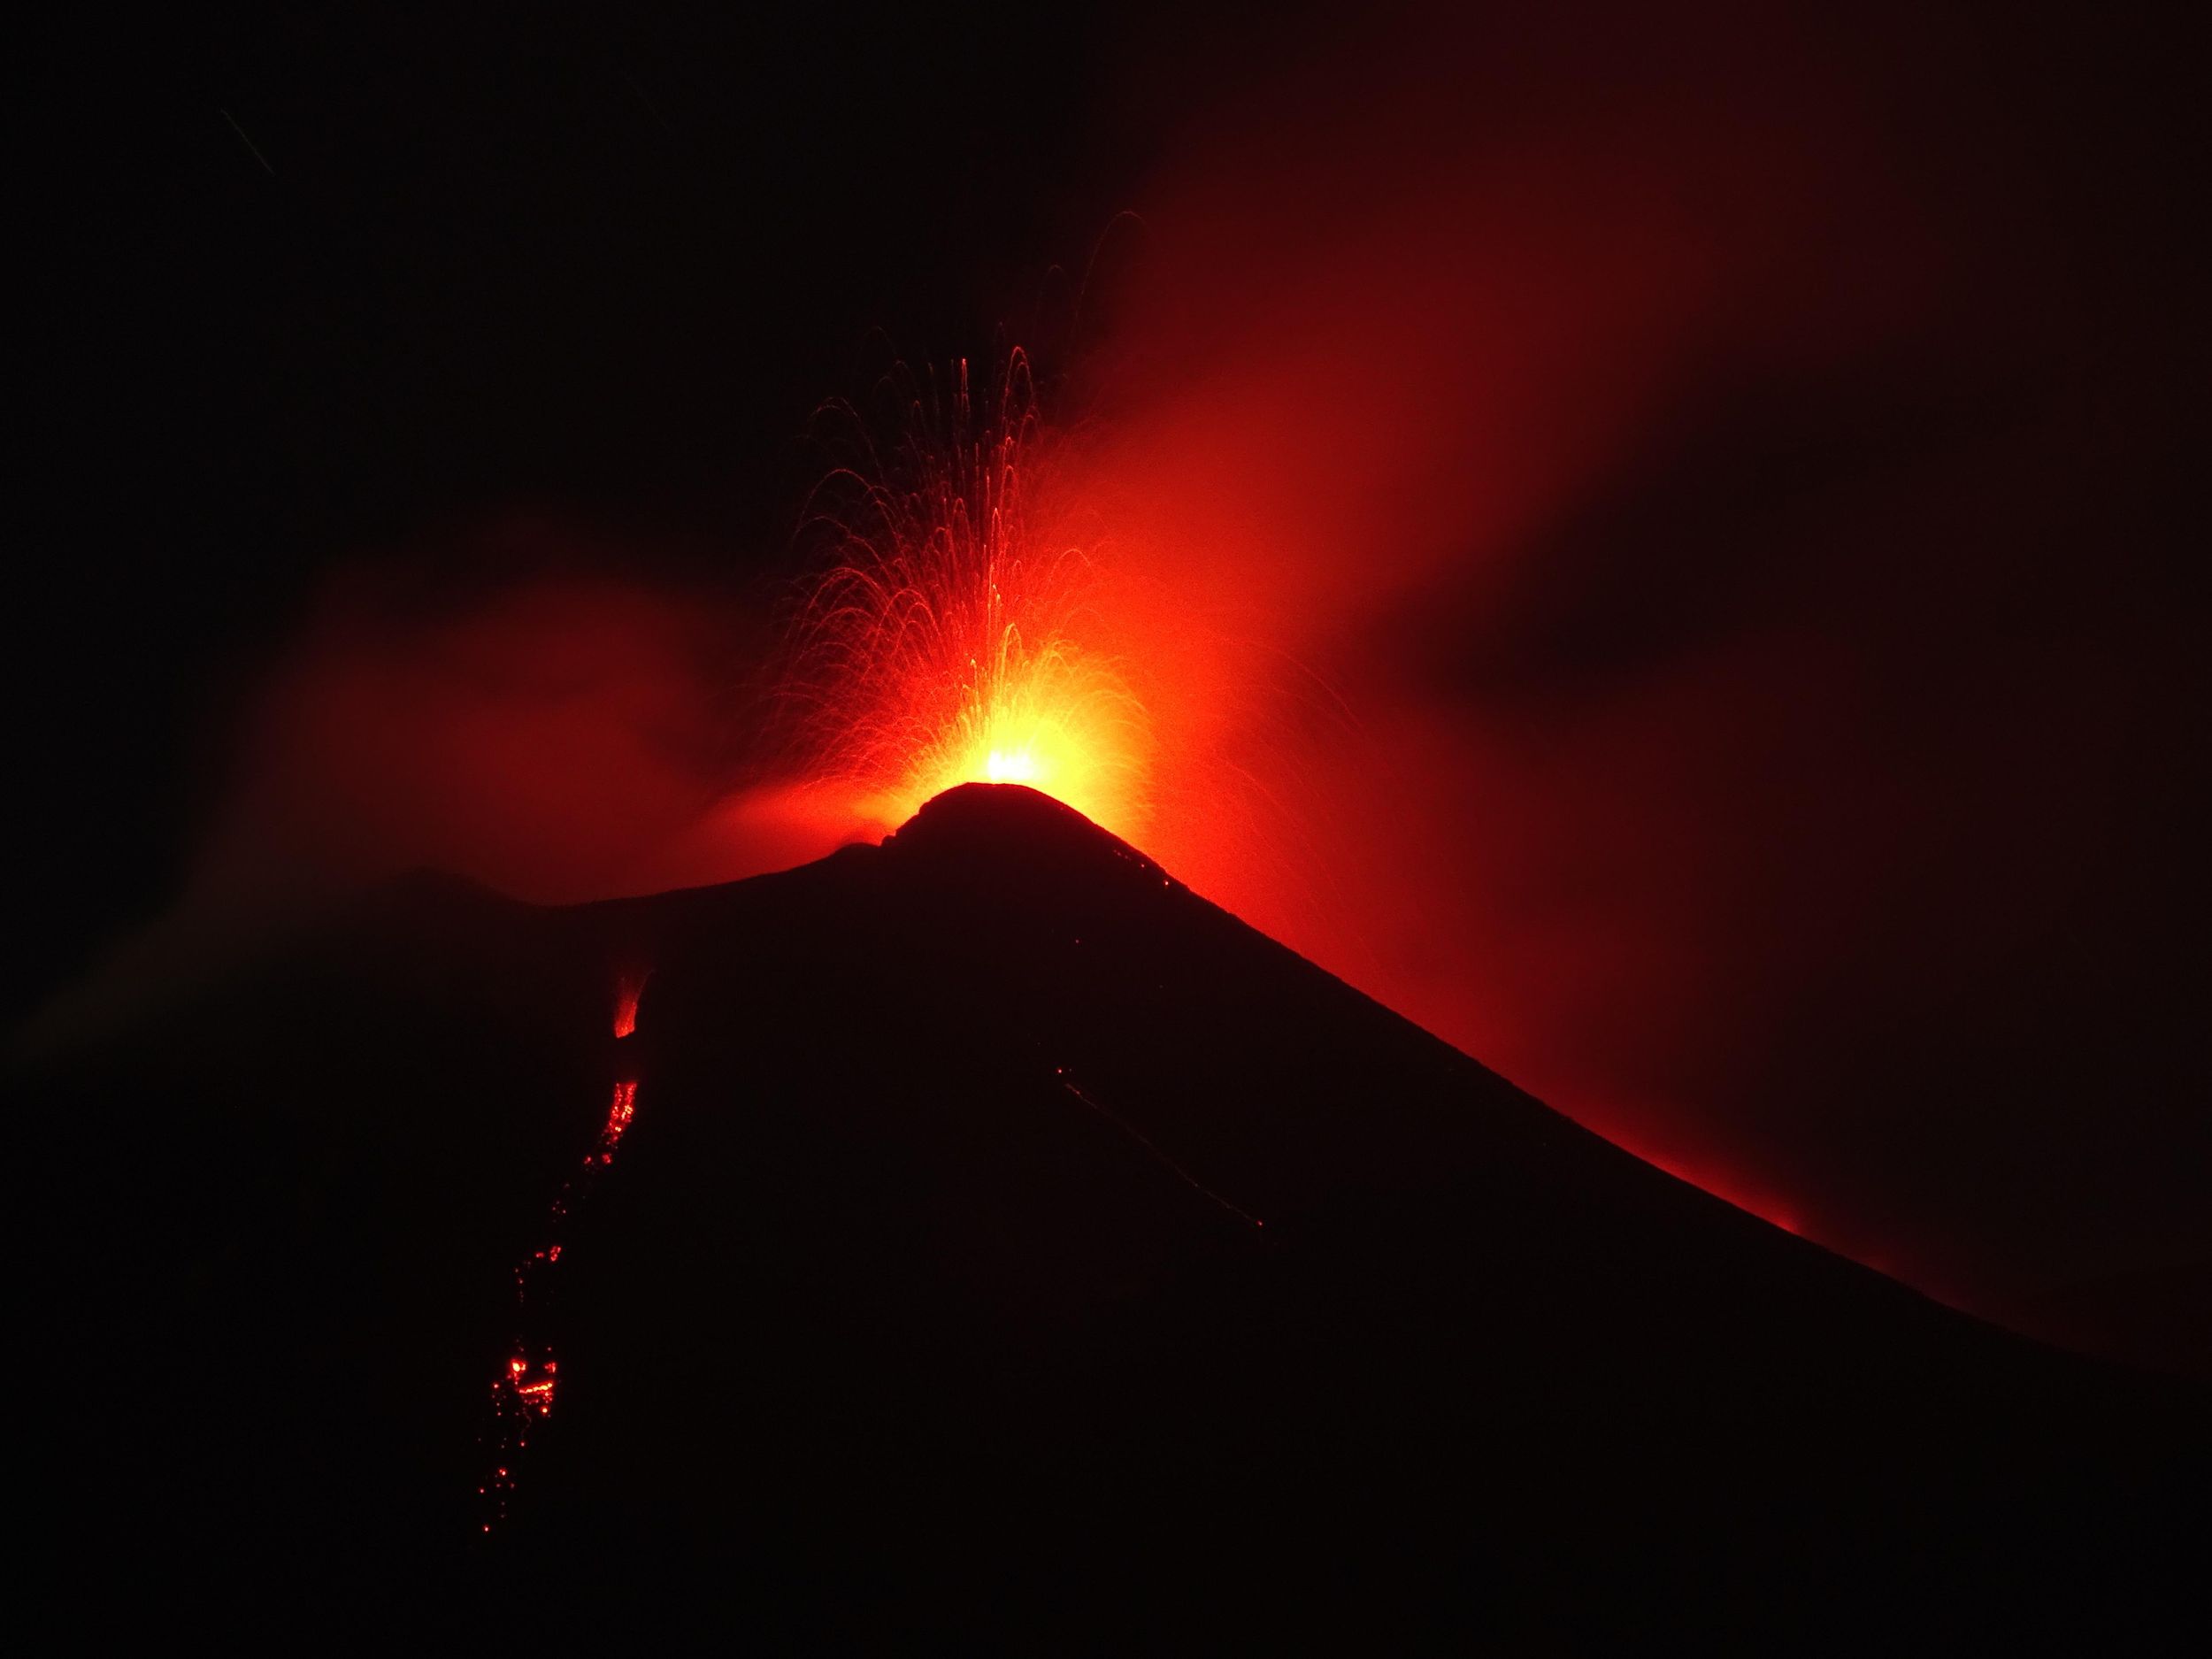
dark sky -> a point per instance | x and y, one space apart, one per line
1804 497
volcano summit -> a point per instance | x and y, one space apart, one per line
1005 1247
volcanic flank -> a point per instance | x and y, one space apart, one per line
1004 1245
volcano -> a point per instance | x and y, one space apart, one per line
1005 1247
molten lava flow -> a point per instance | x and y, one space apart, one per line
627 989
954 638
522 1394
618 1116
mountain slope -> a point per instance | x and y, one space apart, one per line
1009 1245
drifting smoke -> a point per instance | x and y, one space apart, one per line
1695 453
560 739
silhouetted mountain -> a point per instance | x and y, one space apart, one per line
2157 1318
1008 1247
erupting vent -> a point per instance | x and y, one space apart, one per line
955 636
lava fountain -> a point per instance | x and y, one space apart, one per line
952 634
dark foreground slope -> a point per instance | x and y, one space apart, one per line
927 1298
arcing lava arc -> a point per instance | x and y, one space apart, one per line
954 637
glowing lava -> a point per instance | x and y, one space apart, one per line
522 1393
628 987
954 637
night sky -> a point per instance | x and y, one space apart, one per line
1738 474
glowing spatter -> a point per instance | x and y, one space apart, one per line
955 635
522 1394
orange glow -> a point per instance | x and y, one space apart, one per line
958 637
